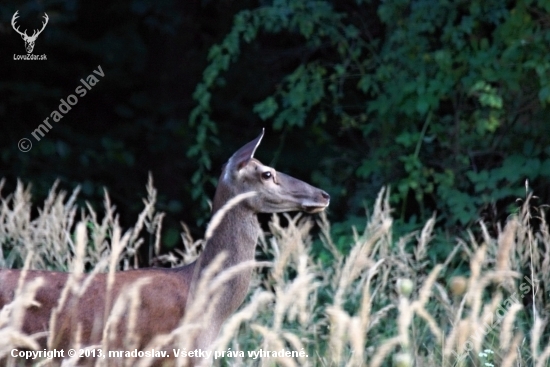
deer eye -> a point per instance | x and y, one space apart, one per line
266 175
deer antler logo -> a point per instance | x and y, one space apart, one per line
29 40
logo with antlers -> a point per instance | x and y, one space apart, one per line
29 40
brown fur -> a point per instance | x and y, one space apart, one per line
163 300
156 315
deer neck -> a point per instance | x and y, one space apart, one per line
236 234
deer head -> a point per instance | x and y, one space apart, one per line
29 40
276 192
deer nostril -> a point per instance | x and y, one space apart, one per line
325 195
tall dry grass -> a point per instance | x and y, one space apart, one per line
383 303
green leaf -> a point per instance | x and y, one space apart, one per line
267 108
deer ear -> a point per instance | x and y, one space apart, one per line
241 157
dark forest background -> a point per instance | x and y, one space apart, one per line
447 102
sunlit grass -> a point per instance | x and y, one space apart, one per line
382 304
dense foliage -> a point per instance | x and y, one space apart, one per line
445 101
132 122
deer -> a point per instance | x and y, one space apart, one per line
165 298
29 40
